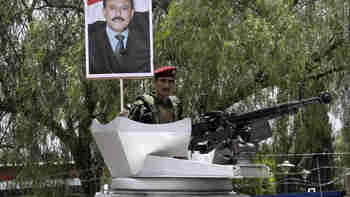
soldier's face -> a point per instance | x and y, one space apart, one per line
164 86
118 14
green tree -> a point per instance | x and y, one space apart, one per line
232 50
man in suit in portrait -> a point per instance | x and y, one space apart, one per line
121 44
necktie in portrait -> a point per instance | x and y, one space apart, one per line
120 45
119 49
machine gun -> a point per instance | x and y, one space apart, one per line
219 127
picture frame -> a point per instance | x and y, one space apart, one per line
137 57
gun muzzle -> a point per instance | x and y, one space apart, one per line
325 97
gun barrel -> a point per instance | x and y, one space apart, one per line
213 130
281 109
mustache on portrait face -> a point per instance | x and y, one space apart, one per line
118 18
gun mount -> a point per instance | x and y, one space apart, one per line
143 158
220 127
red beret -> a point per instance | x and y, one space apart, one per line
165 71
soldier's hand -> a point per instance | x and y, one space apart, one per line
124 113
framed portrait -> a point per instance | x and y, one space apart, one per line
118 39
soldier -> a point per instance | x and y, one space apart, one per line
160 107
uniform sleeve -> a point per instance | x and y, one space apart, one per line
177 106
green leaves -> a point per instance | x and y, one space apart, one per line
240 49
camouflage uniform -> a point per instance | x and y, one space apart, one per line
149 109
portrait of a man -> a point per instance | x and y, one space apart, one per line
120 44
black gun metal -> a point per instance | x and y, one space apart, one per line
220 127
